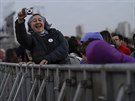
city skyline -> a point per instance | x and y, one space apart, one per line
92 15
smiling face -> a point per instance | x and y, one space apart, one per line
37 24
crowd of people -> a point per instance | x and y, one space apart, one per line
42 44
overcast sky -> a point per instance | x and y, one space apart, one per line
93 15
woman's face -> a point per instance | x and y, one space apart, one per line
37 24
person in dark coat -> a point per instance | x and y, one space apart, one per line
47 45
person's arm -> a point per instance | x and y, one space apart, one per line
21 34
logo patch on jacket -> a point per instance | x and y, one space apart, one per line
50 40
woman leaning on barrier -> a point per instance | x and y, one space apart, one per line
47 45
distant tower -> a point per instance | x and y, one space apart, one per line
79 31
8 40
124 29
9 24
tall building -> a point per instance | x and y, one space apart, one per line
79 31
7 38
124 29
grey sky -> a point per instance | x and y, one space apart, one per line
93 15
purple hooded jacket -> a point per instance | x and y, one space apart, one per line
100 52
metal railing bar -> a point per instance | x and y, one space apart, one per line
20 84
14 87
32 90
41 90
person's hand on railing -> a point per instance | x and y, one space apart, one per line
43 62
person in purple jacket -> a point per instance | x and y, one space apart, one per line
98 51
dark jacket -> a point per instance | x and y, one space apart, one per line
52 47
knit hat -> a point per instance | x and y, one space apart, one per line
91 35
47 26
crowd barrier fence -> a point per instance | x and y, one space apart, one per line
31 82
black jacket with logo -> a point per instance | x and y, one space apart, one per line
53 46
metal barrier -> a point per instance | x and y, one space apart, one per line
31 82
